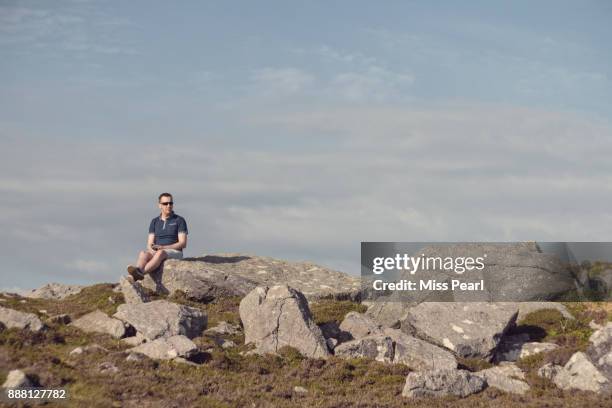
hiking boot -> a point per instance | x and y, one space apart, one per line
135 273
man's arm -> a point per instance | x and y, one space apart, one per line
150 241
182 242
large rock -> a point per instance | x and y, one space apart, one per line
99 322
507 377
279 316
161 318
376 347
441 383
469 329
513 348
132 292
580 373
20 320
359 325
55 291
389 311
209 276
17 379
417 354
600 350
166 348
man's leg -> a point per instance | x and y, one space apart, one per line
155 261
143 258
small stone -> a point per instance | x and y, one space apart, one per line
108 368
443 382
134 340
77 351
300 390
17 379
59 319
43 311
133 356
23 301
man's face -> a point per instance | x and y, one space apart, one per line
165 205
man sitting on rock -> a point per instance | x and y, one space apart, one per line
167 238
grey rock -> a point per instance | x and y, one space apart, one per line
549 371
59 319
376 347
20 320
55 291
132 292
209 276
513 272
279 316
135 340
300 390
161 318
389 311
17 379
507 377
418 354
331 343
99 322
528 307
580 373
166 348
107 367
469 329
440 383
92 348
132 356
514 350
600 350
359 325
224 328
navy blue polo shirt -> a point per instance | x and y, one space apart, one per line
166 232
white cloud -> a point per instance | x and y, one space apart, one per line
281 81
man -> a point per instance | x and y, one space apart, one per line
167 238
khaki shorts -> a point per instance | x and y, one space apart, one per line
173 253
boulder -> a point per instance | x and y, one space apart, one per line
279 316
376 347
161 318
132 292
600 350
507 377
17 379
56 291
579 373
417 354
512 349
469 329
441 383
359 325
166 348
135 340
513 272
20 320
389 311
208 276
99 322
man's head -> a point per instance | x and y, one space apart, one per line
166 205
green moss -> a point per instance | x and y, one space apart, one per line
330 310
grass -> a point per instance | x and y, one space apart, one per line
228 379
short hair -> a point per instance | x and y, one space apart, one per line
163 195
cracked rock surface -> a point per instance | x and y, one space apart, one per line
279 316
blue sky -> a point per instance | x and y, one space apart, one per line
297 129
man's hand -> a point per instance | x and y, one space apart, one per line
156 247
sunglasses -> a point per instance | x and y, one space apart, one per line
167 203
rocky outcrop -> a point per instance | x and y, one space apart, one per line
279 316
20 320
507 377
513 348
132 292
17 379
166 348
161 318
55 291
469 329
207 277
441 383
99 322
